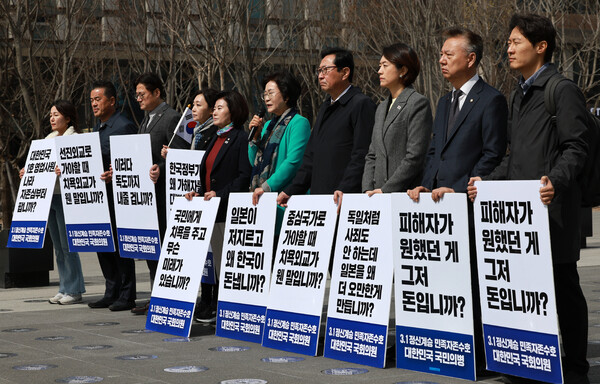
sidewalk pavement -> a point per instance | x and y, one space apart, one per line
44 343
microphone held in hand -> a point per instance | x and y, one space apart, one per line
261 113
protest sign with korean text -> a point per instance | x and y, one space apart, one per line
516 280
434 306
186 242
30 216
361 284
246 266
298 281
183 173
134 197
83 193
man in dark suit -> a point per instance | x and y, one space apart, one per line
469 130
334 158
469 138
554 153
119 273
160 122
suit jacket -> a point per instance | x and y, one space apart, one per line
399 143
334 157
161 130
231 169
117 124
538 148
476 143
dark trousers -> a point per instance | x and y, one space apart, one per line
119 274
152 266
209 295
572 318
479 347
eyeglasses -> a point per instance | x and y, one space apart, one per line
269 95
140 96
325 70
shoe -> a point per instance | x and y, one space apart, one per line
208 315
141 309
56 298
200 307
70 299
121 305
482 373
571 377
102 303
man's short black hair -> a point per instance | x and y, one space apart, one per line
343 58
474 41
151 81
535 28
109 88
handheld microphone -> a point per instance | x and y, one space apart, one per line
261 113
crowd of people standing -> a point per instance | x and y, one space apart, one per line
357 147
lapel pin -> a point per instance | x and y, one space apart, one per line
470 101
399 107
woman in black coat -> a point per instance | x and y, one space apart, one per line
225 168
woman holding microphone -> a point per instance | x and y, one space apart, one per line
277 147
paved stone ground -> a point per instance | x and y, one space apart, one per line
50 338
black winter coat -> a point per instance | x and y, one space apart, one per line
536 148
334 158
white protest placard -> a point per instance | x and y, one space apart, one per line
189 229
183 173
299 277
84 198
246 266
134 195
434 305
361 284
516 280
30 216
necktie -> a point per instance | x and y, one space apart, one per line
453 111
143 125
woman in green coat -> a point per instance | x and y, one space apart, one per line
276 150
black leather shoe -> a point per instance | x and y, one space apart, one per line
570 377
141 309
482 373
102 303
121 305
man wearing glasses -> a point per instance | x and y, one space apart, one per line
334 158
160 122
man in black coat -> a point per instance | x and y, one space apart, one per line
119 273
334 158
556 155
